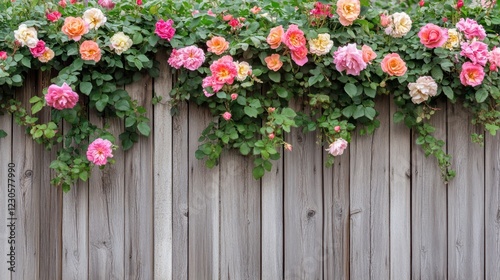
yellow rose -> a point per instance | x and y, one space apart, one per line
27 36
94 18
454 39
120 42
321 45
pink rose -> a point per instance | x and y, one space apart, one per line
210 13
471 29
223 70
385 20
255 10
39 49
192 57
165 29
271 136
294 38
476 51
234 23
337 128
108 4
349 58
494 58
210 81
61 97
337 148
62 3
53 16
3 55
138 2
99 151
433 36
299 56
226 116
234 96
175 59
472 74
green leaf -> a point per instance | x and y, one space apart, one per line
282 92
49 133
258 172
370 113
274 76
314 79
437 73
84 175
129 121
360 112
122 105
244 149
26 62
251 112
398 117
370 92
86 87
17 79
448 92
144 128
481 95
3 133
36 107
351 90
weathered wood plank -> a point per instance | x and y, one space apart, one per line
139 194
5 160
465 199
400 198
492 194
336 219
106 212
240 219
303 206
272 222
180 217
370 200
429 215
162 164
203 205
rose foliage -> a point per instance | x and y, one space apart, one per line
261 67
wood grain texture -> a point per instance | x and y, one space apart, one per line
162 164
5 160
429 214
400 198
492 206
303 206
272 222
204 213
336 236
139 234
180 207
465 199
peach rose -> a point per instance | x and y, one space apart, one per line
273 62
368 54
89 50
274 37
217 45
348 11
47 55
393 65
75 28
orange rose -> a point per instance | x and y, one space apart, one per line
217 45
274 37
393 65
348 11
75 28
89 50
273 62
368 54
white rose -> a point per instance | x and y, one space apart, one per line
120 42
27 36
321 45
244 69
94 18
422 89
401 24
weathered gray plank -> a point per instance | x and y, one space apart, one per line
163 173
429 218
106 212
336 219
5 160
370 200
272 222
400 198
303 206
203 205
139 194
492 194
240 218
180 217
465 199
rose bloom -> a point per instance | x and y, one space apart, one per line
234 96
299 56
350 59
273 62
433 36
89 50
422 89
227 17
234 23
385 20
138 2
175 59
210 81
227 116
393 65
27 36
120 42
99 151
3 55
108 4
472 74
217 45
368 54
494 58
53 16
294 38
348 11
274 37
62 3
165 29
223 70
210 13
46 56
75 28
454 39
244 69
62 97
488 4
94 18
476 51
255 10
321 45
471 29
321 11
400 25
192 57
337 147
39 49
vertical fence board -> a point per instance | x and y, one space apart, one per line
203 205
106 213
139 194
163 173
400 198
465 199
336 223
429 216
240 218
303 206
492 207
180 214
5 159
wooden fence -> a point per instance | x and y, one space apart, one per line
382 211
